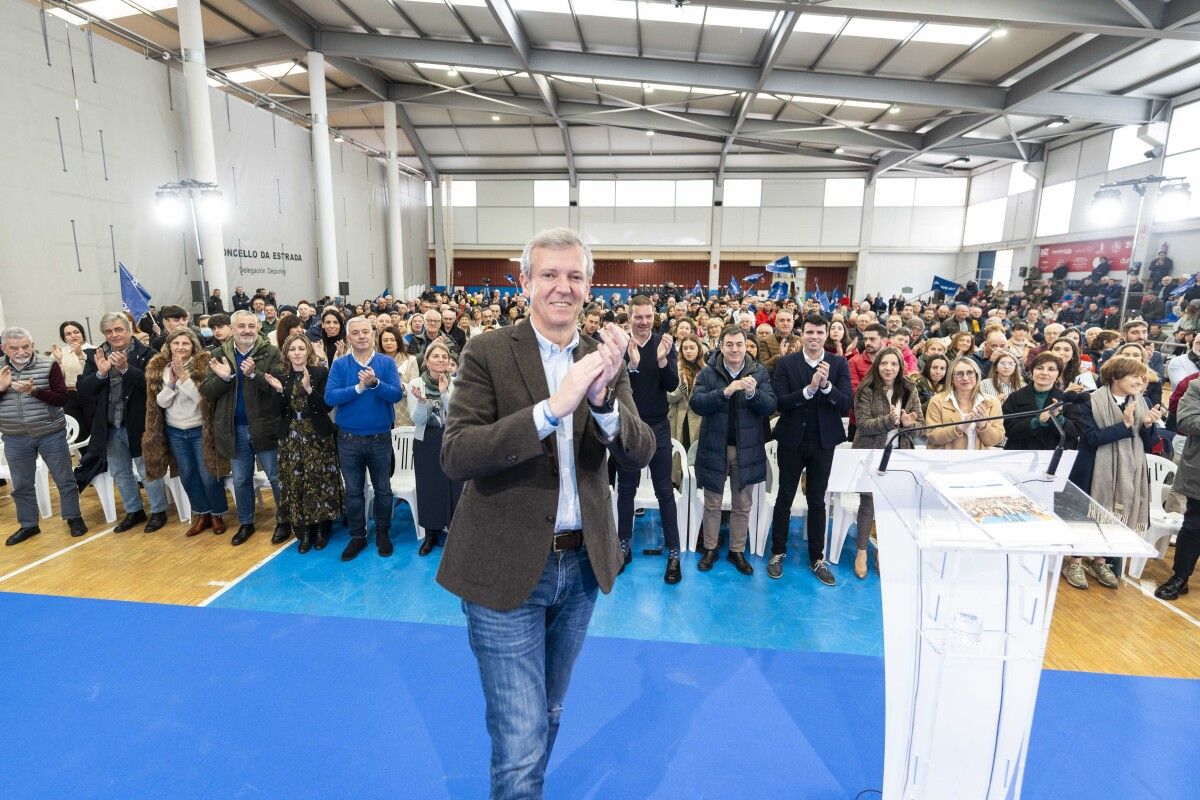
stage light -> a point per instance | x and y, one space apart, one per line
167 207
1106 206
212 206
1173 201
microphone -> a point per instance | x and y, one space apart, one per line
1062 402
1068 398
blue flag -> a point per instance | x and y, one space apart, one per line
837 294
823 299
134 297
734 287
944 285
508 276
1183 287
779 291
697 289
753 278
782 265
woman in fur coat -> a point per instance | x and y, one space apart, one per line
179 429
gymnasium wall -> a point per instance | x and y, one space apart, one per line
94 128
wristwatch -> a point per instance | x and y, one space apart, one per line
609 404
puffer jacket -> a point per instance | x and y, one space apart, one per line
710 402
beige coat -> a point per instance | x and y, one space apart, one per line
941 409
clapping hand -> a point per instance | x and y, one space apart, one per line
219 366
908 418
1128 414
635 355
1154 415
443 382
179 372
5 378
247 366
366 378
894 415
820 376
57 352
417 391
120 361
577 383
339 349
613 343
306 382
273 382
25 386
664 349
103 364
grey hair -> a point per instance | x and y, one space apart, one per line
115 316
13 334
556 239
242 314
359 318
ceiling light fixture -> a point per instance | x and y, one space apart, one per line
338 138
649 133
1057 123
999 32
837 151
495 117
894 110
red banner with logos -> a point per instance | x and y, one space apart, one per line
1080 257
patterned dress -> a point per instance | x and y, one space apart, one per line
310 483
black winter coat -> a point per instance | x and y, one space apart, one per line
93 391
1020 433
318 409
710 402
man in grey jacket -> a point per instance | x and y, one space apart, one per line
32 395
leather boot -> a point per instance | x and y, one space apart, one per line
201 523
431 539
307 534
324 529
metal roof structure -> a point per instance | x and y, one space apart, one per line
713 87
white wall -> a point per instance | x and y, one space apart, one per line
890 272
137 106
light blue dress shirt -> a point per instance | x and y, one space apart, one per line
555 362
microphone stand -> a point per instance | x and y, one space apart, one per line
887 448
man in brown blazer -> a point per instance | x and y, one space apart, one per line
536 412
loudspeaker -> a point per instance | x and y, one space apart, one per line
344 288
1023 272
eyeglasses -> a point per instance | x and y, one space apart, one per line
964 374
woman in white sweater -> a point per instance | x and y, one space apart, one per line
179 430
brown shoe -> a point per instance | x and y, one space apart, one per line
218 524
860 564
202 522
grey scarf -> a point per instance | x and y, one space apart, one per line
1120 480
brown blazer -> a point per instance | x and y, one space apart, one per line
503 526
941 409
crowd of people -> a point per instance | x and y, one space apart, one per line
304 392
509 395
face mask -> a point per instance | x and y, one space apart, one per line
206 333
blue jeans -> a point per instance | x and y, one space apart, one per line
119 467
243 473
359 455
22 452
205 493
525 660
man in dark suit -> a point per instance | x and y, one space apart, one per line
114 383
537 410
813 391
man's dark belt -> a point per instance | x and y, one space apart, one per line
568 540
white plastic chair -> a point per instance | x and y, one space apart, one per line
404 476
760 517
41 481
645 497
177 495
261 483
769 498
1163 525
106 490
73 434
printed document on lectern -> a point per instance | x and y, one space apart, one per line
994 503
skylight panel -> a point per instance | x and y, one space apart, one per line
819 23
869 28
950 34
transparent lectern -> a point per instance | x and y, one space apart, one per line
966 613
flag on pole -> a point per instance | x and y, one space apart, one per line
697 289
508 276
944 285
823 299
1183 287
778 292
734 287
134 297
782 265
753 278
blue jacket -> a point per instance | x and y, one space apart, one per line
371 412
1093 437
792 374
710 402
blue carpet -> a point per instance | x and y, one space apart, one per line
125 700
720 607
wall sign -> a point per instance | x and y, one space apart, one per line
1080 257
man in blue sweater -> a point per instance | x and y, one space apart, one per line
364 386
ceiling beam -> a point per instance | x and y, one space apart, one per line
1135 10
766 58
255 51
947 131
506 18
899 91
1067 16
286 18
